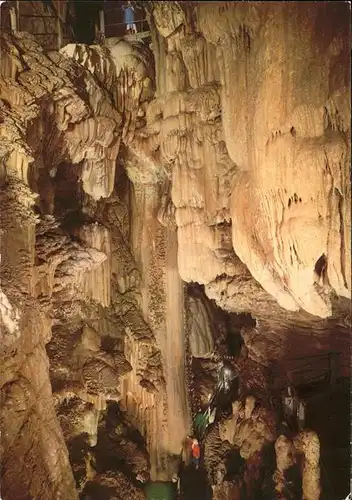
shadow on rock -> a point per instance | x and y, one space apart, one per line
195 485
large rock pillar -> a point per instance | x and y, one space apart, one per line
162 303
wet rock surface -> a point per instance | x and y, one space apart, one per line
164 209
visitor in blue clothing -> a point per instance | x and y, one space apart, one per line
129 18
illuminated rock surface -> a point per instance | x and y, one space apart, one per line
157 208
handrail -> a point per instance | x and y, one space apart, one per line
45 34
309 369
36 15
124 24
326 354
326 371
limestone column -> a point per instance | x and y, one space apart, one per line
155 250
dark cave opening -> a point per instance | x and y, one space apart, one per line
226 326
293 482
225 400
228 343
234 464
115 416
85 20
78 449
118 443
234 323
234 343
95 491
195 485
68 191
328 414
321 265
60 194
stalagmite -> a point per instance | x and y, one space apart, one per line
307 442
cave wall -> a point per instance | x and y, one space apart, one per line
63 304
163 304
278 206
237 155
108 288
250 124
235 132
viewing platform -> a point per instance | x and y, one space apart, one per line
111 24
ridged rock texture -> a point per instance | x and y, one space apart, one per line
220 157
267 180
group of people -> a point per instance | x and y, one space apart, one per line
192 448
203 419
293 407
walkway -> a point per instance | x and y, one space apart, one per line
324 368
112 25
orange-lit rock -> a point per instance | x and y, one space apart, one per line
221 159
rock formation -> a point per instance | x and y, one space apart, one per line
162 207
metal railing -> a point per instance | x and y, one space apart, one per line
15 18
119 29
325 368
104 29
38 15
125 24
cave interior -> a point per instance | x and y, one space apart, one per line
175 203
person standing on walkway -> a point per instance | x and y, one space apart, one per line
195 453
129 18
